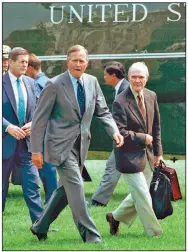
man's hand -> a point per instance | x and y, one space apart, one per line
37 160
149 139
16 132
119 139
157 160
27 128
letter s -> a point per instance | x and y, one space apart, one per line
173 11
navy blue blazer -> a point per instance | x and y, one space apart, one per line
9 111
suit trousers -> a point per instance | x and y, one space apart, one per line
139 202
29 176
70 191
48 177
108 182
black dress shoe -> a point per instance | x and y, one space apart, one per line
95 203
114 224
41 237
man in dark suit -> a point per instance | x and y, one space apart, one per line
18 107
64 110
137 116
114 75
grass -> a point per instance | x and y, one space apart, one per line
103 155
16 222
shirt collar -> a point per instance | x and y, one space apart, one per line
73 79
13 78
135 93
39 75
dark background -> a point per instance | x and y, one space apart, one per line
28 25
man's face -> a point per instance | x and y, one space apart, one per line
109 79
138 79
5 64
19 66
77 63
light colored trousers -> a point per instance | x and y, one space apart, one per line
139 201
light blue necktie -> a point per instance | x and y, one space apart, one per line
21 103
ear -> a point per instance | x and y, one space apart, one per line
67 62
113 75
9 62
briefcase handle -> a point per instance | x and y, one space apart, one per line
161 163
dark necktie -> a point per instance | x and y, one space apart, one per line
114 93
141 106
21 103
81 97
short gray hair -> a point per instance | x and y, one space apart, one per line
138 66
76 48
16 51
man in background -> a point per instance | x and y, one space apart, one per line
15 176
48 173
18 106
6 50
114 75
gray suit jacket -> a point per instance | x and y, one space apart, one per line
123 86
58 113
131 157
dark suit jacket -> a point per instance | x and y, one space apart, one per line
123 86
131 157
9 111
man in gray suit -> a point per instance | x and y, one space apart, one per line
136 113
65 109
114 74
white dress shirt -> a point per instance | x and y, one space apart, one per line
13 81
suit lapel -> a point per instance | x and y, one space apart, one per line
87 88
69 91
9 91
134 108
147 101
29 96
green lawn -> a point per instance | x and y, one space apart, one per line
16 222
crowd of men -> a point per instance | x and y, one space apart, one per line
46 128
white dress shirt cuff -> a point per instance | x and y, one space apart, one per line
8 127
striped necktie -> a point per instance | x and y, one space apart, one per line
21 103
141 106
81 97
